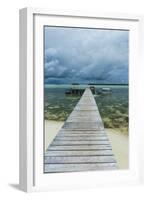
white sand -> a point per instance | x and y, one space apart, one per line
51 130
119 141
120 147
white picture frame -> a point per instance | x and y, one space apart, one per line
31 91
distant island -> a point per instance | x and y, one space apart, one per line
107 84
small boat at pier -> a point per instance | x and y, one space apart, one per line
105 90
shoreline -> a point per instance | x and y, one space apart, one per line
119 141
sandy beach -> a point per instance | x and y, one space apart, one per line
119 141
120 147
51 130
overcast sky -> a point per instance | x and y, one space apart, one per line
74 55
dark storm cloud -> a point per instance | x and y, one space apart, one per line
85 55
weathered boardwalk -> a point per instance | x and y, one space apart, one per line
82 143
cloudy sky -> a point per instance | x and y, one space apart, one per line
75 55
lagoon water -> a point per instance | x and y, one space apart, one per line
113 107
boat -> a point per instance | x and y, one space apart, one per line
105 90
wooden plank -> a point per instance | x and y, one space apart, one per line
78 167
80 135
83 132
83 126
85 137
81 119
84 113
78 159
82 129
85 119
92 108
89 106
79 153
80 147
97 142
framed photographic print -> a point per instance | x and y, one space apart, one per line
79 97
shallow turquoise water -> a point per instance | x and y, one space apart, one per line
113 107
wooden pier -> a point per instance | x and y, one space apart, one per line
82 143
